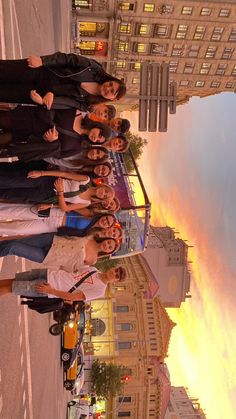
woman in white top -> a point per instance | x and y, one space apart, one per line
25 216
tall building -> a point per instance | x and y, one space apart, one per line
196 38
132 328
181 406
167 258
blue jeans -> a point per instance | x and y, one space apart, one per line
34 248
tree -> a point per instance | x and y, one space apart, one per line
137 144
105 264
107 378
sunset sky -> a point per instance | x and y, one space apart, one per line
190 176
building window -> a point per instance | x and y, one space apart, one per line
224 13
193 51
165 8
199 32
234 70
184 83
120 64
124 345
188 69
161 31
205 68
124 414
122 309
187 10
221 69
124 399
126 6
136 66
199 83
181 31
143 29
135 80
148 7
227 54
124 327
173 66
206 11
232 36
229 85
123 46
216 34
140 47
125 27
210 52
158 49
215 84
83 3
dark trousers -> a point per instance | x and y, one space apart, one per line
17 80
34 248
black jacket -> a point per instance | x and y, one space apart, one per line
77 69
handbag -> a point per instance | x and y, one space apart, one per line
47 305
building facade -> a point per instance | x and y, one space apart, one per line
182 406
136 333
196 38
167 258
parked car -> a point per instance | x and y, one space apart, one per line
72 338
73 375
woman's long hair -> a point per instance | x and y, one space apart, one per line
84 160
89 124
90 229
102 239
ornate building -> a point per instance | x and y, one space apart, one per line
166 257
181 406
196 38
136 334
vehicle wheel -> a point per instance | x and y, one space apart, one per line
69 386
72 403
65 356
56 329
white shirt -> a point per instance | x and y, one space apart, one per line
92 287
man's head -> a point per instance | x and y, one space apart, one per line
116 274
113 89
118 144
120 125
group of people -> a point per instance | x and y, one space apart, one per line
56 120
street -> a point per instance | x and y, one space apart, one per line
31 375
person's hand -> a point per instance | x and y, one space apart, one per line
59 185
48 100
34 174
34 61
44 288
42 207
51 135
36 97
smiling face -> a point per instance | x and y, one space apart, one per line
101 111
105 222
115 124
95 136
95 154
108 246
104 193
113 232
116 144
109 89
101 170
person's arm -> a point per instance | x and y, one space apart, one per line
63 205
65 175
59 59
47 289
